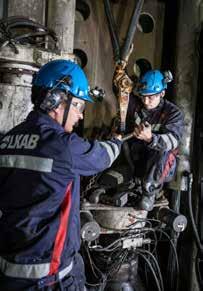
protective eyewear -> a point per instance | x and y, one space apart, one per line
79 106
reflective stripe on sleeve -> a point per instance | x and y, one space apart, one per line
24 271
112 150
26 162
173 140
29 271
170 141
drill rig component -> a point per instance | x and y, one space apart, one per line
121 80
121 56
95 196
133 243
90 229
177 221
120 218
124 87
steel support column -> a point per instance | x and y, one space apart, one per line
187 61
187 72
33 9
16 70
61 18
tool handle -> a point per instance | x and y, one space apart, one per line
127 136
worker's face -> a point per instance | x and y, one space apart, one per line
152 101
75 113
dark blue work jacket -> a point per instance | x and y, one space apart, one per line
167 122
40 168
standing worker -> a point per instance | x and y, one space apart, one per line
158 126
41 161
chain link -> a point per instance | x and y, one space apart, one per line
90 184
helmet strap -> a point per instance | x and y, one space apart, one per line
66 110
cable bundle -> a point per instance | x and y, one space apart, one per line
20 30
106 258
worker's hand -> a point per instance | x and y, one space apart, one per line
143 131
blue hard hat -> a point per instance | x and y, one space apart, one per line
63 75
152 82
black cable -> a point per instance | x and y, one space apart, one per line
7 38
156 264
103 277
175 254
116 259
154 251
30 34
131 30
91 262
171 271
8 25
152 270
173 247
112 30
108 248
16 22
112 269
155 243
194 227
115 268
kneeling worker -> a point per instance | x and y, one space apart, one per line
158 128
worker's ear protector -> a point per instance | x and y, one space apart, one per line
56 95
52 100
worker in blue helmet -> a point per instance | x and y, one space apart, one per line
158 128
41 161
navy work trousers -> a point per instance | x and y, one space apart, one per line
153 167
